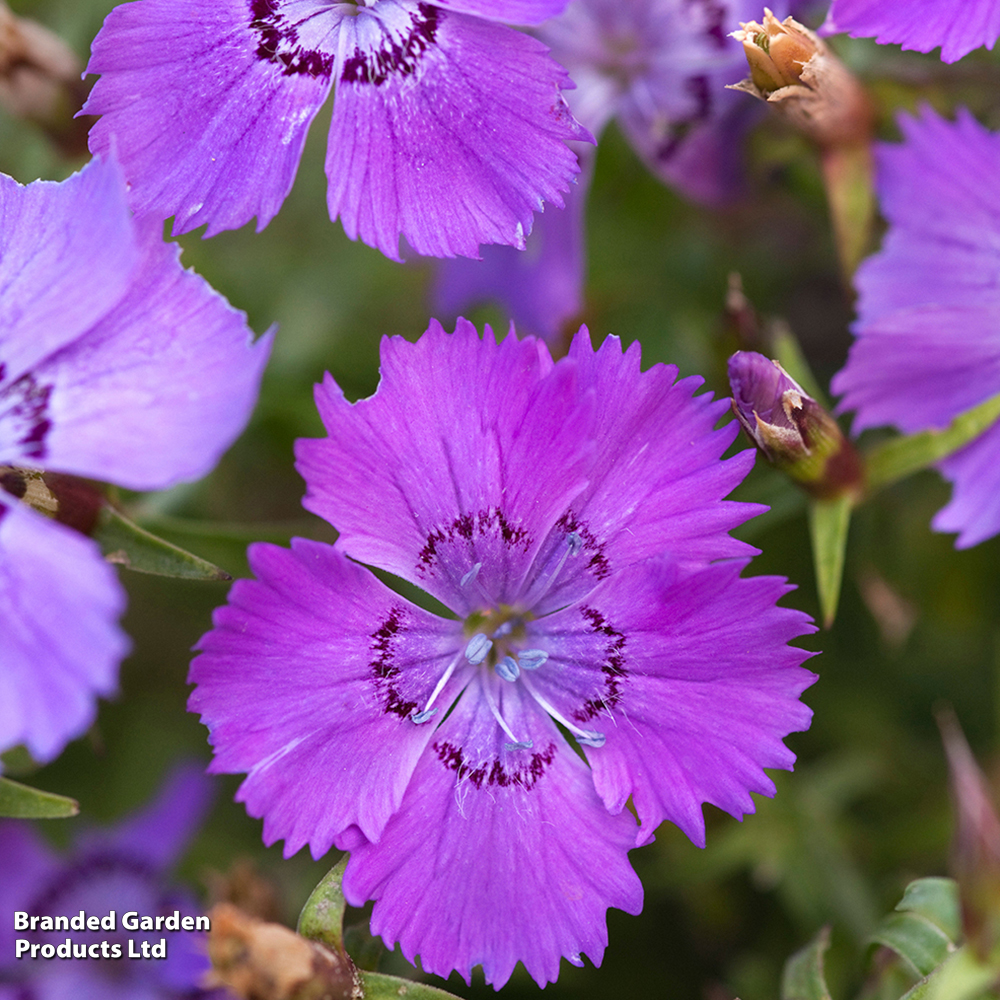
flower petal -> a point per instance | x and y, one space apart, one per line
159 832
307 683
511 11
207 102
67 253
27 862
466 455
657 482
958 26
541 287
927 344
497 855
159 387
689 678
974 509
59 606
447 130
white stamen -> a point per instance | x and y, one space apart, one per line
515 743
427 711
588 737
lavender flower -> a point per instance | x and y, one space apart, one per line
958 26
570 516
660 68
927 344
122 869
115 364
448 128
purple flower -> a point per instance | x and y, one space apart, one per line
122 869
660 68
928 327
958 26
570 517
117 365
448 129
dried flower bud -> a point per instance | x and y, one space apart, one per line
40 81
262 961
793 431
793 70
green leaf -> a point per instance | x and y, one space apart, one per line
322 918
126 544
18 801
803 978
937 900
918 941
902 456
960 977
829 521
379 987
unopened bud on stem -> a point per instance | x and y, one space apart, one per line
793 431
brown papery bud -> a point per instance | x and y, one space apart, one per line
793 70
40 81
263 961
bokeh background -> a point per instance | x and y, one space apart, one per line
867 807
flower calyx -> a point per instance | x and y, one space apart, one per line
794 432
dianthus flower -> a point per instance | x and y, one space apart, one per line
122 869
660 69
570 517
448 128
116 365
927 344
958 26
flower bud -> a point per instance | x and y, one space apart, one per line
40 81
793 431
793 70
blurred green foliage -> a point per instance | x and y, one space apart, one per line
866 810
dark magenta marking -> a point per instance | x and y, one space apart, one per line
469 526
493 774
25 403
399 59
279 43
384 670
612 666
598 564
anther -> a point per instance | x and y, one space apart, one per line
471 575
504 628
419 717
575 543
508 669
519 746
478 647
532 659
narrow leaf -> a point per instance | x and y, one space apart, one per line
18 801
127 544
937 900
803 978
902 456
322 918
829 521
920 943
380 987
